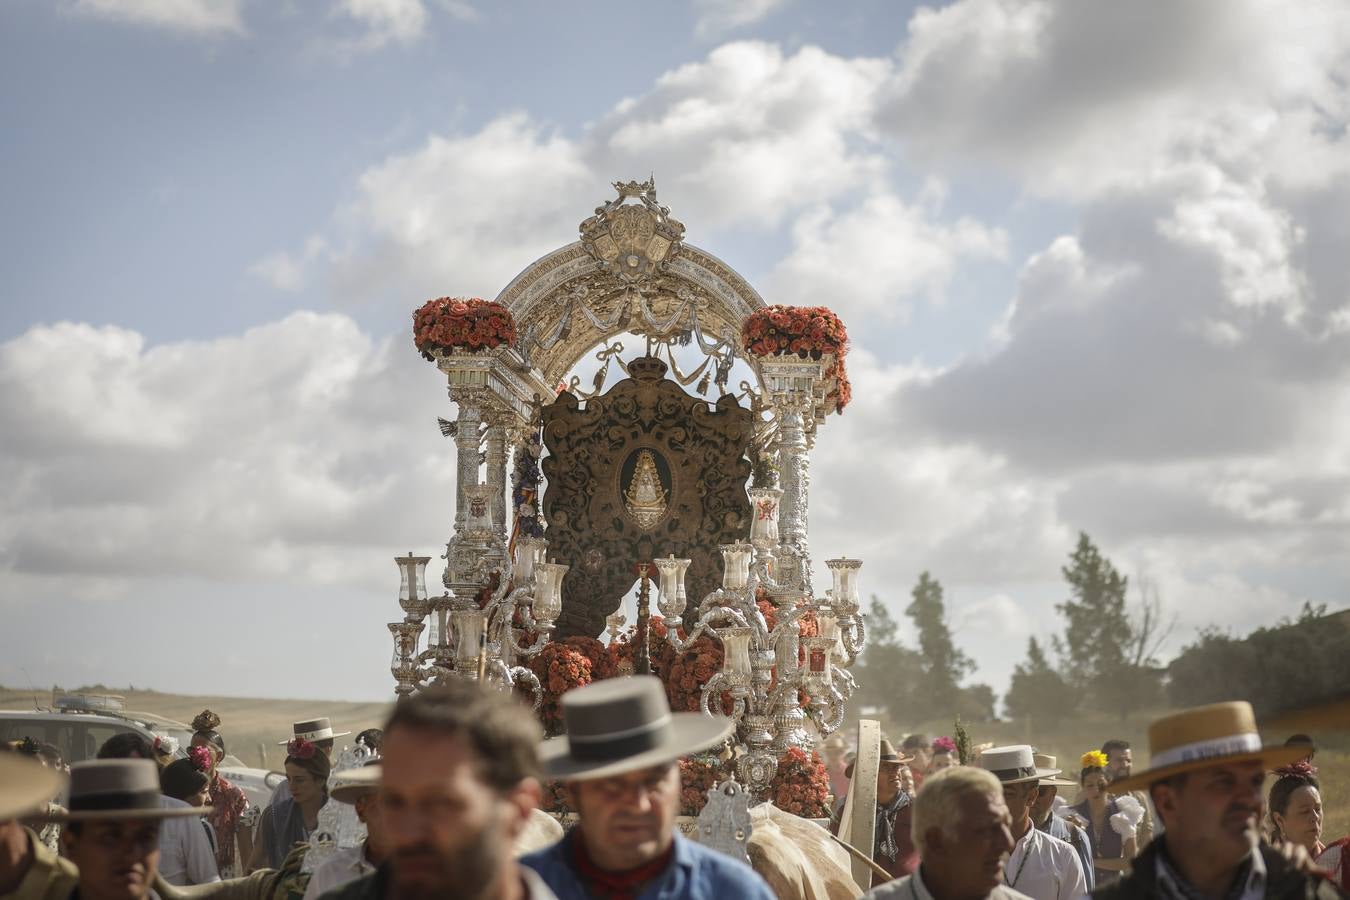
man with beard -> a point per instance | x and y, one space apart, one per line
1206 774
962 829
1119 764
458 781
620 765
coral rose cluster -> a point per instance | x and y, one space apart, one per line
805 331
458 323
801 785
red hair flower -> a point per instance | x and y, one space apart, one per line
299 748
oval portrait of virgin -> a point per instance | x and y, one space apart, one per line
645 487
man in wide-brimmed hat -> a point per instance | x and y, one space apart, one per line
111 829
1040 865
29 869
893 845
359 788
1205 778
620 765
1044 818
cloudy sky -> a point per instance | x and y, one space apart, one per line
1092 255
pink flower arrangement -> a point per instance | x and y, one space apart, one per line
458 323
944 745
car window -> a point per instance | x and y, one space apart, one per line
93 734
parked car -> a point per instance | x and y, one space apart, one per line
78 724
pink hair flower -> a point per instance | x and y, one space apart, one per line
201 758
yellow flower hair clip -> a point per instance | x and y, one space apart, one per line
1093 759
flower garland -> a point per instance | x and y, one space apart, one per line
806 331
1093 759
457 323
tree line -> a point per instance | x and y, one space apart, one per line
1104 657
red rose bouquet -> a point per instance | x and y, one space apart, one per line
698 775
457 323
801 786
805 331
560 666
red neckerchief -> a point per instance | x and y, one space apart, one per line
623 885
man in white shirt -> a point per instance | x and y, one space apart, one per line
350 863
185 852
961 827
1040 865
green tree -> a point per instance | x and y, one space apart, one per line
887 671
944 666
1098 625
1038 692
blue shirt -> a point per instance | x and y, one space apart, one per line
695 873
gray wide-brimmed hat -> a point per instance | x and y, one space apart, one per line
314 730
621 725
26 785
351 785
1015 764
118 789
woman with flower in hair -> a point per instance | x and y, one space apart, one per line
307 769
1295 813
234 841
1109 831
944 755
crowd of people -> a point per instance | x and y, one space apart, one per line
455 779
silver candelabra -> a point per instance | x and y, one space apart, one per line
766 671
504 608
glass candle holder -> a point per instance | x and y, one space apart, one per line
736 566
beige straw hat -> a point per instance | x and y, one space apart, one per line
25 785
1202 737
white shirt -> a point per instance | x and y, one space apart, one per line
347 864
911 887
185 854
1045 868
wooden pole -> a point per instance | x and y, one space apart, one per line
860 809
